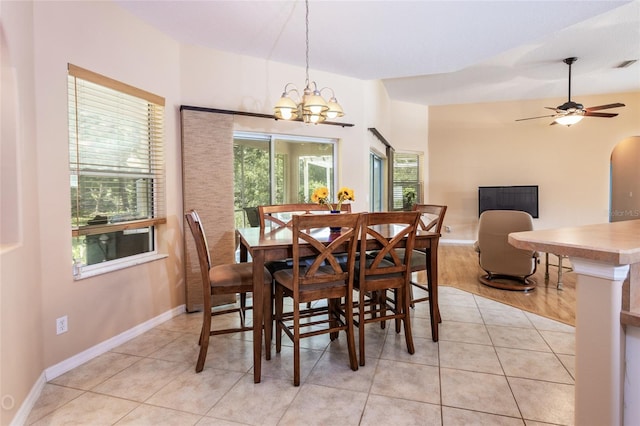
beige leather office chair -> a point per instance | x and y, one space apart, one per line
506 267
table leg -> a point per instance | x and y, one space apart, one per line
432 279
244 256
258 280
546 267
559 286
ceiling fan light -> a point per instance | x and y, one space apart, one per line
569 119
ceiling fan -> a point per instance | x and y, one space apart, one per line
571 112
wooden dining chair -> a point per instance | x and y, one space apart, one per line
431 220
385 269
221 279
281 215
324 278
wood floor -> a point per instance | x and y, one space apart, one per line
458 267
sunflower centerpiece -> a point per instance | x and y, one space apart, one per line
321 196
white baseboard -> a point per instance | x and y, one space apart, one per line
459 242
84 356
27 405
70 363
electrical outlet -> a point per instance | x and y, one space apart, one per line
62 325
447 229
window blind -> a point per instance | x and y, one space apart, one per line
116 157
407 186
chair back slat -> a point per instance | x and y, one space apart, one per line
431 216
204 256
195 224
312 230
387 260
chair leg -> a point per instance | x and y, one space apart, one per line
404 294
434 310
267 314
381 298
361 321
202 330
279 295
351 345
333 312
395 298
243 308
412 304
296 345
205 333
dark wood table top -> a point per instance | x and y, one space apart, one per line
275 238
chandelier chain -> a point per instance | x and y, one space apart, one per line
306 22
311 106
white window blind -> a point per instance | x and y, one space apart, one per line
117 169
407 185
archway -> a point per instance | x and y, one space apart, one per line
625 181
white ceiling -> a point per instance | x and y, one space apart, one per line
426 52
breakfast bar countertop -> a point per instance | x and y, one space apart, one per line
617 243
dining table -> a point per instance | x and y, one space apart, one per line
261 245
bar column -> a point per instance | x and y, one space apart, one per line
600 343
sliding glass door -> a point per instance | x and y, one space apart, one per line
279 169
376 182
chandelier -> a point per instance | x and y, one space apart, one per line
311 108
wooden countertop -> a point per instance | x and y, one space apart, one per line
617 243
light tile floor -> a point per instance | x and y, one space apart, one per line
493 365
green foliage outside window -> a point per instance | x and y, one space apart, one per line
254 184
406 180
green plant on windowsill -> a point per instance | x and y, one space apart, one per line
408 198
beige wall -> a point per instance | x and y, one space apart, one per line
481 144
101 37
37 284
21 345
409 134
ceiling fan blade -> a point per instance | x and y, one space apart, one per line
599 107
553 108
599 114
533 118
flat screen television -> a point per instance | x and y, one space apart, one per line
522 197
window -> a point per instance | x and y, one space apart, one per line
376 184
407 186
116 171
279 169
